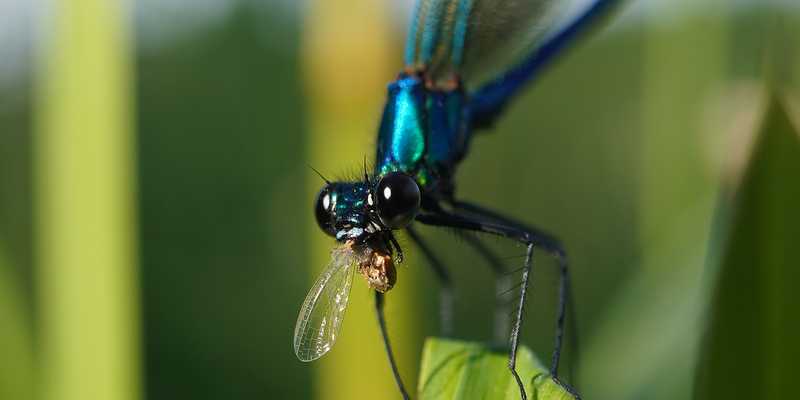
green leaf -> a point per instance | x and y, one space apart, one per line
751 347
453 370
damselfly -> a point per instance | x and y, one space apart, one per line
465 60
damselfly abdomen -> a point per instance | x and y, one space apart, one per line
465 60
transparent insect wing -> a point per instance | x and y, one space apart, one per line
323 310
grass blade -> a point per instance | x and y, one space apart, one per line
752 339
85 235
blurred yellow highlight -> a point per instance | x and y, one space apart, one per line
85 190
348 63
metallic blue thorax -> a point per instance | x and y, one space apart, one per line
421 132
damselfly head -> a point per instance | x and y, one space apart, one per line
361 211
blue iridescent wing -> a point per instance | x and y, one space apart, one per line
493 46
490 98
462 38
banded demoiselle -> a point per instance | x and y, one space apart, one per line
464 62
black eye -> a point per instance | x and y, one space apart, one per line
398 199
323 211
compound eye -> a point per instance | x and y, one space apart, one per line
398 199
323 211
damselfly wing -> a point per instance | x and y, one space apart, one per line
477 40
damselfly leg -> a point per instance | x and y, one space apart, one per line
554 248
379 301
477 219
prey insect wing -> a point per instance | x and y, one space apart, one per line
322 313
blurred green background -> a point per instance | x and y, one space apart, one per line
185 244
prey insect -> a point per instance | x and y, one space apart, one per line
450 89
